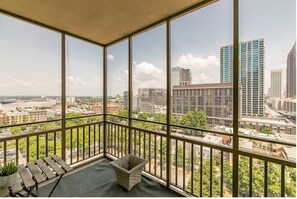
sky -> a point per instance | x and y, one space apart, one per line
30 55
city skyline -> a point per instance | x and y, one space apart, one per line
264 21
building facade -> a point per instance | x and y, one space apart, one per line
149 98
37 115
291 73
215 99
126 99
112 108
180 76
275 83
251 74
284 105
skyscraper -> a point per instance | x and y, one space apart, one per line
276 83
180 76
226 64
291 73
251 73
126 99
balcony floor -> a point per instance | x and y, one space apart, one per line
98 180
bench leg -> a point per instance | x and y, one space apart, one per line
56 185
29 191
27 194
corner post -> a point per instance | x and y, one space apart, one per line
63 96
168 116
130 92
104 98
235 97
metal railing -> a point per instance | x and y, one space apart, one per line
198 167
193 166
82 142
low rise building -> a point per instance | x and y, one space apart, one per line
37 115
112 108
16 117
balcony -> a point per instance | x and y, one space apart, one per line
194 147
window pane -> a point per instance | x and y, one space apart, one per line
149 75
200 97
30 84
84 78
267 65
117 79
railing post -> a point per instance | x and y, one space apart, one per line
168 116
63 96
130 92
235 99
104 98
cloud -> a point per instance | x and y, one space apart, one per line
117 84
190 60
203 69
23 86
147 75
25 83
110 57
146 71
80 86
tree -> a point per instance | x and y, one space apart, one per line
206 180
266 130
274 178
124 112
15 130
195 119
72 122
248 126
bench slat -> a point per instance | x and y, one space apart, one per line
36 173
45 169
54 166
16 188
63 164
26 177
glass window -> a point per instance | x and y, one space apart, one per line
149 75
84 78
117 80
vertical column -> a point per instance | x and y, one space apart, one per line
63 95
168 105
235 98
104 98
130 92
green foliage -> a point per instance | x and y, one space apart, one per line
274 178
266 130
8 169
248 126
124 112
197 119
206 180
15 130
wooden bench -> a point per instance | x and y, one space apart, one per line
36 172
